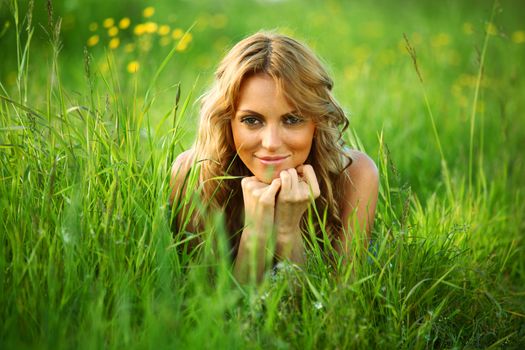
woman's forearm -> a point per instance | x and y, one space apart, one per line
290 246
250 263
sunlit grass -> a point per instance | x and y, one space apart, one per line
88 258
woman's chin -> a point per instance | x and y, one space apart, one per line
268 175
266 179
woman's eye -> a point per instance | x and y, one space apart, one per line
250 121
293 120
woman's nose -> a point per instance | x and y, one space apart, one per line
271 138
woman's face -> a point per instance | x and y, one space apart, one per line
269 134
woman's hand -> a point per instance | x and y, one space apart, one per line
299 187
259 211
259 204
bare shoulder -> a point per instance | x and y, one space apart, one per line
179 169
181 163
363 168
361 188
362 178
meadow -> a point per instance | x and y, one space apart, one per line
97 98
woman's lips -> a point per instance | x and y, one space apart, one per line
272 160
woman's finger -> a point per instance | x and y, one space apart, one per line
286 181
294 179
309 174
271 191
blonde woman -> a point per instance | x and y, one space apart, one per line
268 147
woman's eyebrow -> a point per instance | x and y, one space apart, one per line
248 111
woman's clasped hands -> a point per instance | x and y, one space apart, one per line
278 208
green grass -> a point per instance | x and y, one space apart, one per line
87 257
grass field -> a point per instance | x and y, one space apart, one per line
97 98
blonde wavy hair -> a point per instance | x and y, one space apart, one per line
303 80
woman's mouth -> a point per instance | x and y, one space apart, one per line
272 160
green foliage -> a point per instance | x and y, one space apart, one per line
87 138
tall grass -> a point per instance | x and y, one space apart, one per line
88 259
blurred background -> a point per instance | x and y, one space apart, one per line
362 44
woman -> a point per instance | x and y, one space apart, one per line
268 145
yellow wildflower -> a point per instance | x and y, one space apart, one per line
103 66
124 23
148 11
165 40
468 28
518 37
177 33
145 43
164 29
219 21
181 46
114 43
361 53
188 37
417 38
351 73
129 47
113 31
442 39
93 40
491 29
139 29
133 67
108 22
150 27
93 26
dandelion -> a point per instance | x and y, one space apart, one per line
440 40
468 28
104 67
93 40
124 23
182 45
114 43
219 21
177 33
145 43
351 73
491 29
201 23
518 37
113 31
164 29
386 57
148 11
165 41
361 53
108 22
133 67
93 26
150 27
129 48
416 38
139 29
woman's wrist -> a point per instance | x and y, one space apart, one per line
289 245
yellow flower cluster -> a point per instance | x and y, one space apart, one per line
144 32
518 37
